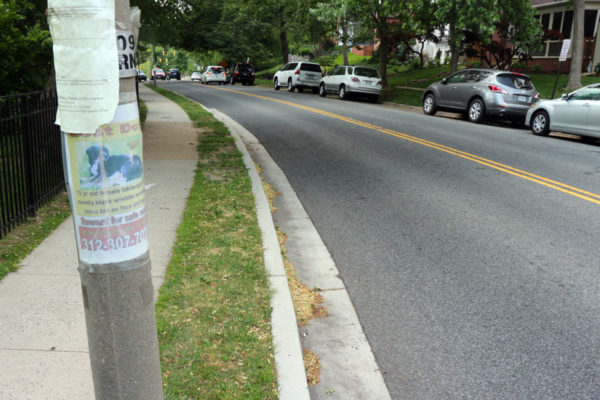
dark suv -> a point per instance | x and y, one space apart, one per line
243 72
174 74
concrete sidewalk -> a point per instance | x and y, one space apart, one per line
43 338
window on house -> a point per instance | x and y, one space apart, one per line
556 21
589 25
567 24
545 21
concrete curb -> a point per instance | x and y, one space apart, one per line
289 363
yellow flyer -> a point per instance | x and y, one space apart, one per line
105 172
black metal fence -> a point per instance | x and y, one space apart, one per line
31 169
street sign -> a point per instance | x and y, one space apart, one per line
564 51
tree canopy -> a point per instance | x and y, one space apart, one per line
26 46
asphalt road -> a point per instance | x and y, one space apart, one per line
470 251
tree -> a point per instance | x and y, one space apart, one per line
385 19
419 26
26 46
574 81
333 13
517 34
466 16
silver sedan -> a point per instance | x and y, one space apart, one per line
577 113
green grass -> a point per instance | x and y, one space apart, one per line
213 313
353 59
544 83
418 78
22 240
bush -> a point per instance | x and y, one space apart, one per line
413 63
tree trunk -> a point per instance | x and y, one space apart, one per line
285 49
453 49
382 51
576 45
345 40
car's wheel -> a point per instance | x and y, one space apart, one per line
342 93
476 111
429 106
322 91
540 123
290 86
276 84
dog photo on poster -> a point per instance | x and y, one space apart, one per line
106 177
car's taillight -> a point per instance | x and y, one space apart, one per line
497 89
253 74
236 73
297 72
355 79
537 96
379 83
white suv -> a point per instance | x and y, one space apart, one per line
298 75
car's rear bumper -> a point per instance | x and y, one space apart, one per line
508 111
362 89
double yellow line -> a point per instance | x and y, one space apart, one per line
561 187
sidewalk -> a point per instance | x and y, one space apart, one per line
43 338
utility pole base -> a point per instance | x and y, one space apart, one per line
121 326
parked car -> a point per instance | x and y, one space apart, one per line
174 74
158 73
141 76
480 93
196 76
214 73
298 75
577 112
244 73
348 80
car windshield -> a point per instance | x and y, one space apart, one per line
366 72
159 71
217 70
246 68
587 93
515 81
310 67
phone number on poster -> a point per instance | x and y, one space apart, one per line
114 243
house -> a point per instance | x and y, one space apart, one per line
556 17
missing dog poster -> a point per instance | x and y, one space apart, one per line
105 173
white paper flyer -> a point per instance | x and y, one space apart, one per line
85 62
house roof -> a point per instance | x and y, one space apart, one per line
541 3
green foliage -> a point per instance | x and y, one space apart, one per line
413 63
26 47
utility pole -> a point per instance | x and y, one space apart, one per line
107 201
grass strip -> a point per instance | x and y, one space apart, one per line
213 313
